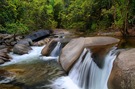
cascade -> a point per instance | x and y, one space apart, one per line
54 54
56 51
87 75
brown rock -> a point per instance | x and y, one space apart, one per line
48 48
71 52
27 42
123 73
42 42
21 49
4 57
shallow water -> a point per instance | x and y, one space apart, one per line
33 71
30 71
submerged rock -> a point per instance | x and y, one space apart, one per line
21 49
123 73
6 77
71 52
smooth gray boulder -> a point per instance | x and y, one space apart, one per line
27 42
21 49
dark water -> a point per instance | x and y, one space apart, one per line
32 75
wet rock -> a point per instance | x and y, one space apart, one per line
48 48
6 77
71 52
4 57
27 42
123 72
42 42
2 46
40 34
21 49
1 61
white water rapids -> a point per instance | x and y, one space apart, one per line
85 74
32 55
54 54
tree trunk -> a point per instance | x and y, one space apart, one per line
14 37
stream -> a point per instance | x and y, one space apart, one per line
33 71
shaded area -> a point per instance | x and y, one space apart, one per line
127 43
99 53
40 34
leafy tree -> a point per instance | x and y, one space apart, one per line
82 15
16 28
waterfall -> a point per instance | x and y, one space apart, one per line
87 75
56 50
54 54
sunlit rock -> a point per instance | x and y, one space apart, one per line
71 52
123 73
6 77
42 42
48 48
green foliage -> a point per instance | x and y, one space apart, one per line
82 15
16 28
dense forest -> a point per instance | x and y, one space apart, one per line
21 16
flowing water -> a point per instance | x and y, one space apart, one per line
33 71
56 50
54 54
86 74
89 75
30 71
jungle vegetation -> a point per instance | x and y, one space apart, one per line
22 16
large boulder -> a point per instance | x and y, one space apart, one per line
71 52
40 34
123 72
21 49
27 42
49 47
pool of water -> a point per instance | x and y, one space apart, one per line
29 71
